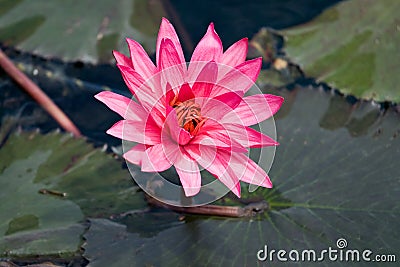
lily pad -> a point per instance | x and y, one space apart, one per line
32 223
49 183
331 180
82 30
352 46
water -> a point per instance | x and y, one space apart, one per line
235 19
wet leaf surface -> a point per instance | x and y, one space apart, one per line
352 46
89 30
50 183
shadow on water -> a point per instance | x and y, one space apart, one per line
235 19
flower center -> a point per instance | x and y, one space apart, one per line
189 115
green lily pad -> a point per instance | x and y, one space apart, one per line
332 179
83 30
49 183
352 46
32 223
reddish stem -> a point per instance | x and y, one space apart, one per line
38 95
215 210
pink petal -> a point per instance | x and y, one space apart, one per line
208 49
155 160
122 59
115 102
185 93
144 93
214 135
122 105
158 112
171 68
229 178
236 53
231 99
168 55
167 31
135 154
247 136
248 171
189 175
136 131
140 60
206 79
242 77
169 96
216 161
132 79
217 107
254 109
175 132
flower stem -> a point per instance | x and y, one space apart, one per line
215 210
37 94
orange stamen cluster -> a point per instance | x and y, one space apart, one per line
188 115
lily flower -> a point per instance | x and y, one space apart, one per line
194 115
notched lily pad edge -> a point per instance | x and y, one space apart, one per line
58 259
305 80
279 71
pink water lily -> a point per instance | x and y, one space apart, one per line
192 116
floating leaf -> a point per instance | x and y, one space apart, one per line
352 46
83 30
48 184
32 223
330 182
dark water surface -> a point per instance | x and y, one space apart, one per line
235 19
